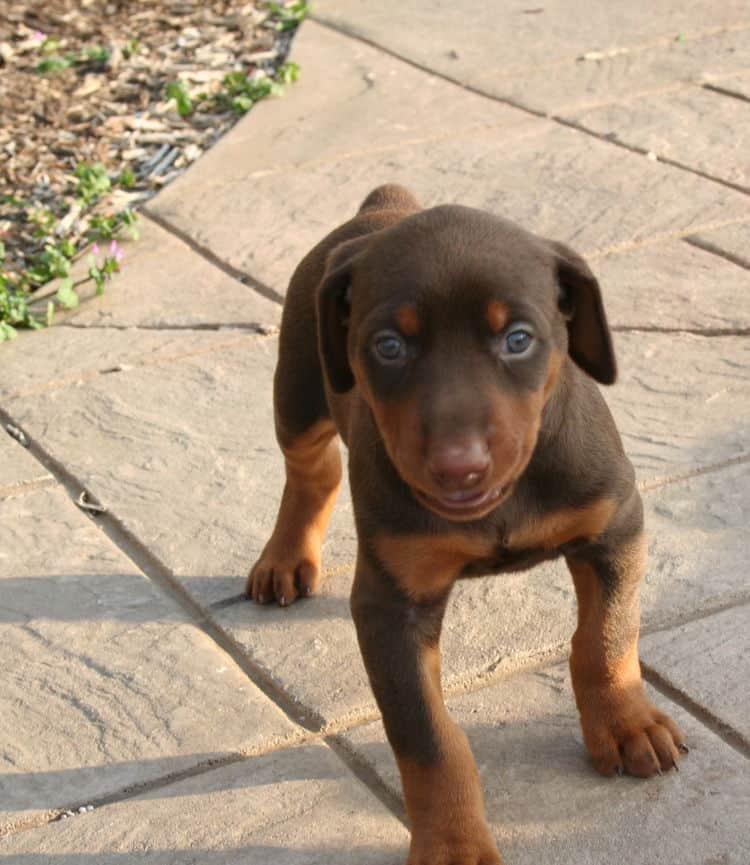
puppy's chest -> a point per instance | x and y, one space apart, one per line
503 559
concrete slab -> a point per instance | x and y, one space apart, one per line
363 102
192 442
695 127
732 241
299 806
592 80
547 806
673 286
680 400
534 54
553 180
164 283
709 661
19 471
69 357
97 695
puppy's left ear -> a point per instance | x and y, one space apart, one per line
589 340
334 308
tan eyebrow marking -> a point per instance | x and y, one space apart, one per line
407 318
497 315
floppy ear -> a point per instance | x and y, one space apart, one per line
334 307
589 340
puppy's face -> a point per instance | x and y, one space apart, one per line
455 326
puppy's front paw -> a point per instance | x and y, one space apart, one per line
625 732
434 850
283 575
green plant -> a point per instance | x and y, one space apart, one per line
95 55
178 91
57 250
287 16
93 181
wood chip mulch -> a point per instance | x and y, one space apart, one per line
109 105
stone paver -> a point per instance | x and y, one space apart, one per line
732 240
366 102
673 286
556 182
709 660
547 806
185 451
680 401
19 471
97 695
300 806
694 127
576 83
72 357
164 283
533 54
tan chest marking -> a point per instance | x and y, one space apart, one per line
560 527
426 565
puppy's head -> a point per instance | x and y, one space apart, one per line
454 325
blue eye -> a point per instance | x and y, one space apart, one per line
518 341
389 347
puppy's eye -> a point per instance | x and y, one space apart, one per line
517 341
389 347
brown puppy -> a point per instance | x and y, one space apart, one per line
454 354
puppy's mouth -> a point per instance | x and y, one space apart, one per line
465 504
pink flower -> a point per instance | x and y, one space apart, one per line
116 251
38 35
95 249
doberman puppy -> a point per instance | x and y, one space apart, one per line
455 354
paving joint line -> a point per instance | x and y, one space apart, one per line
660 238
312 723
132 791
158 573
239 275
717 250
693 331
726 91
368 776
512 103
730 462
612 138
740 600
255 327
712 722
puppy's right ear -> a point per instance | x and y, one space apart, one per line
334 308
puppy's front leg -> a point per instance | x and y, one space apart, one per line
399 639
622 729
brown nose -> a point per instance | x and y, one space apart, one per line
459 464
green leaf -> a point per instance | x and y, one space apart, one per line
176 90
53 63
93 181
67 295
287 73
7 332
126 178
2 251
50 313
